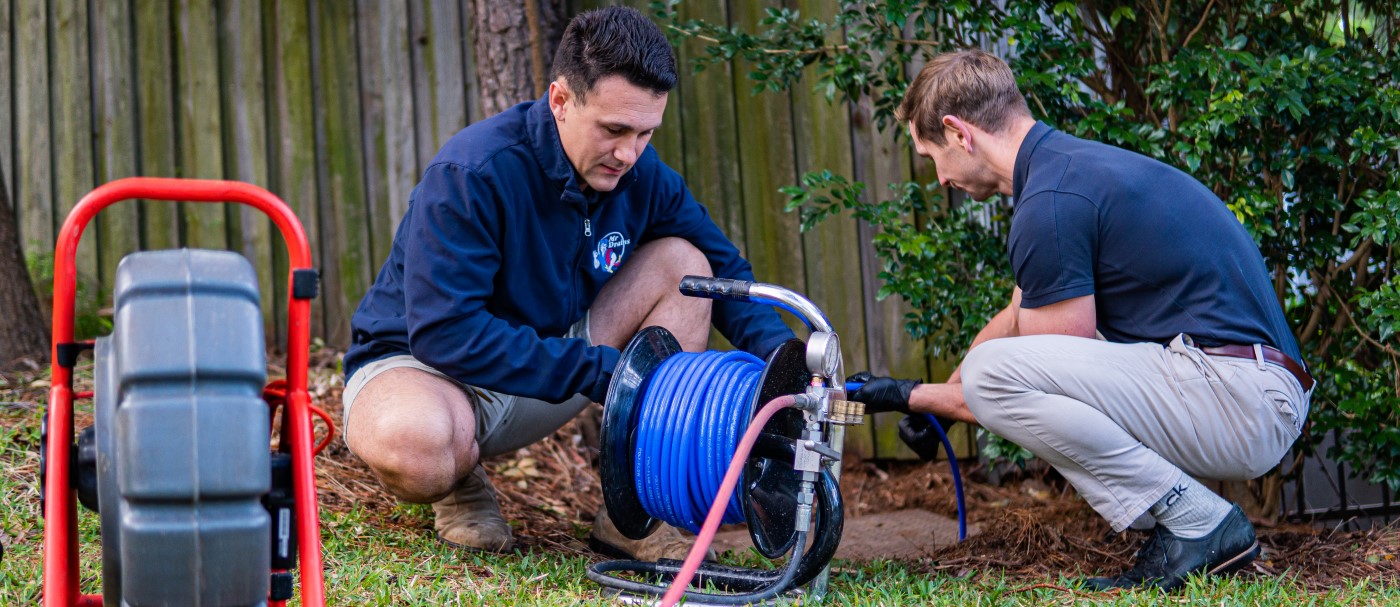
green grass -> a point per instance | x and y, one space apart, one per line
377 559
370 564
365 565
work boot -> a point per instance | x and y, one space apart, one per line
470 517
1166 560
664 543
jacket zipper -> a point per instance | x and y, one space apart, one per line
575 286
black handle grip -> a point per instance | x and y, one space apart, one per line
716 288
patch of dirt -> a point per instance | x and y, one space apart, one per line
1030 528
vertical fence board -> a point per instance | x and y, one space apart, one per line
114 118
881 160
292 130
7 101
711 140
344 232
72 124
771 237
387 108
475 109
33 178
669 140
439 94
155 102
243 88
831 251
200 127
704 135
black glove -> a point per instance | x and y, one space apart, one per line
918 432
881 394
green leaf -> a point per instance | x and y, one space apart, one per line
1121 13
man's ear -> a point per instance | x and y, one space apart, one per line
958 132
559 97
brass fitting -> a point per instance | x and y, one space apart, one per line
847 412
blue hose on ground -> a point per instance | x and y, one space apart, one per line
693 412
957 477
952 463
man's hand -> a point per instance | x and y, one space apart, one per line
918 433
881 394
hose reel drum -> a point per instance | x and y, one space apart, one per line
788 490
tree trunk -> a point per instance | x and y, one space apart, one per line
23 336
514 45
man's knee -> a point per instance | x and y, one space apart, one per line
678 256
415 460
987 372
412 434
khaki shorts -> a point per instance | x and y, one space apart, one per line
504 422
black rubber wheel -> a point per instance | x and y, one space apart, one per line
182 434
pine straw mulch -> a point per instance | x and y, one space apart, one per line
1031 528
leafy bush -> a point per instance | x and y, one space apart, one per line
1287 110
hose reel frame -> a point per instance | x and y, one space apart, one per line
769 484
789 490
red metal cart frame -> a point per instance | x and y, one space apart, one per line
60 512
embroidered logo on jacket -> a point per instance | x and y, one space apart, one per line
608 255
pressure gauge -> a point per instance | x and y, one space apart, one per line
824 353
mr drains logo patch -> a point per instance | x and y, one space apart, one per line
608 255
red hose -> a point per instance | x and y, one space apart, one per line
275 394
726 488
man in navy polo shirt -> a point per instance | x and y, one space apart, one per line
1194 372
537 243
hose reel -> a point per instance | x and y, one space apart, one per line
672 418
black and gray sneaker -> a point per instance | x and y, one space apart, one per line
1166 560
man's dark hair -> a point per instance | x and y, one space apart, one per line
614 41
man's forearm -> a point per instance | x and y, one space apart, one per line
946 399
943 400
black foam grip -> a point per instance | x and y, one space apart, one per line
716 288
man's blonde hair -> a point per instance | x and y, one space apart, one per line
973 85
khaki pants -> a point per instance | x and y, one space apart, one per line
504 422
1119 421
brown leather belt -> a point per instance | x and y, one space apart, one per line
1270 354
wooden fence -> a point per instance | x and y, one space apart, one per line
336 106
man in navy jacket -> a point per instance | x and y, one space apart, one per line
537 243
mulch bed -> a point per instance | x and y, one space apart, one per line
1031 528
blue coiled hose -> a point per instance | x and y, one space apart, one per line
692 414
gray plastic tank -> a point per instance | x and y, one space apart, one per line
183 434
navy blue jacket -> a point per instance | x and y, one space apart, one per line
501 252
